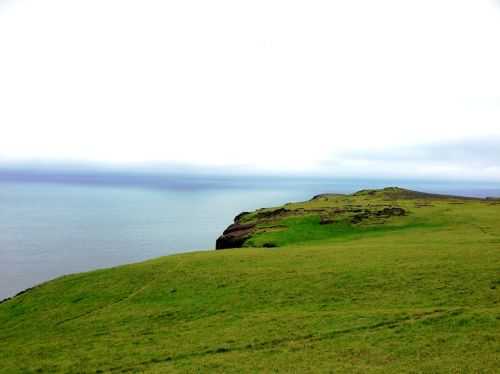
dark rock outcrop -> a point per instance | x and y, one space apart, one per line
234 236
271 213
393 211
237 233
384 213
238 227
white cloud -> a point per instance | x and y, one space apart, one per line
270 85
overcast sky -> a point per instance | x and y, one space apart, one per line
351 87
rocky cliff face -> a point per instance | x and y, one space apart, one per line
245 225
235 235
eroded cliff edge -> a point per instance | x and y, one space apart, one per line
335 215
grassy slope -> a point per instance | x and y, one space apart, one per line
419 294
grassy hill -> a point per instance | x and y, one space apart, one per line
352 285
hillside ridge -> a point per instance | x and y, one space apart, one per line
367 206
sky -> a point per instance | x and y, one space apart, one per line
333 88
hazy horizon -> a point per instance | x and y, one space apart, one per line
184 178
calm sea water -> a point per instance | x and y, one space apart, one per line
49 229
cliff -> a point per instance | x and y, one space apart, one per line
334 215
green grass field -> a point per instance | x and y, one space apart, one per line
418 293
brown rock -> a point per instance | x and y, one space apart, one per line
234 236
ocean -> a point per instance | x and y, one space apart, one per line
50 228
